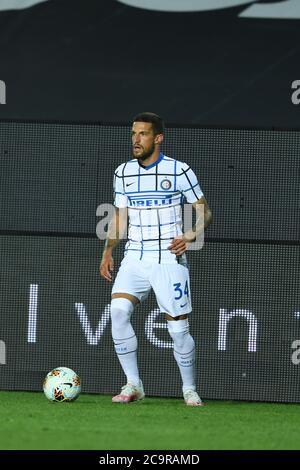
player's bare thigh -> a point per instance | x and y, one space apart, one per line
180 317
130 297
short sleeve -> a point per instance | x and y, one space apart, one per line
188 183
120 199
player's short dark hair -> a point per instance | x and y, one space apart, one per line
156 121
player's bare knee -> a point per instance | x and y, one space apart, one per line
124 295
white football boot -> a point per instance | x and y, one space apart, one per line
192 398
129 393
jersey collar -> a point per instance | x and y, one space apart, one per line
161 156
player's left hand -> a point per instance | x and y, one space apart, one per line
178 246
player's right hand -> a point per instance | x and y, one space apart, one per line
107 266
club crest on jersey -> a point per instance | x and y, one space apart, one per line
165 184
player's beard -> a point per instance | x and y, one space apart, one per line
146 154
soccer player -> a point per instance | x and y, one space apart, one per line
150 189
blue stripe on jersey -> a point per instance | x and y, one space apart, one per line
137 249
151 191
154 193
142 247
176 222
155 206
159 236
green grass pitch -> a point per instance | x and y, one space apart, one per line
30 421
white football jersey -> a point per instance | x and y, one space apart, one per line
154 195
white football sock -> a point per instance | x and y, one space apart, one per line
124 338
184 352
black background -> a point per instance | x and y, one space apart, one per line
105 61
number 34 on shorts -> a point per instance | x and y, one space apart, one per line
173 291
178 289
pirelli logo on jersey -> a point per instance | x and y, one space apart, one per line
151 202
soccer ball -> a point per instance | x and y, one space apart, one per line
62 384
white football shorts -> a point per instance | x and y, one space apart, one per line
170 282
